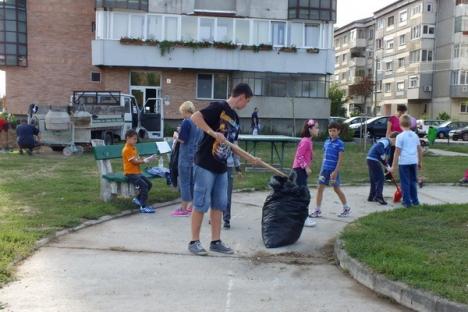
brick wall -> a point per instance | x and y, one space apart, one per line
59 55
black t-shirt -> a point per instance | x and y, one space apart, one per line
212 155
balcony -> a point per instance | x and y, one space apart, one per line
459 91
460 62
418 94
358 61
113 53
358 43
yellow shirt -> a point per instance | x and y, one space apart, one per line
130 152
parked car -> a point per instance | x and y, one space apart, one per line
356 120
459 134
339 120
423 126
376 127
444 128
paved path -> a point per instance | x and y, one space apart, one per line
440 152
140 263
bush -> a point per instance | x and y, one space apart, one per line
346 134
443 116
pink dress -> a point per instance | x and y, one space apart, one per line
304 154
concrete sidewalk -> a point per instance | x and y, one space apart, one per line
141 263
439 152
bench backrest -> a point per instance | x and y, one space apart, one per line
103 152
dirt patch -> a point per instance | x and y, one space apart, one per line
291 258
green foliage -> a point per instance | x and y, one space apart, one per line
425 247
443 116
335 94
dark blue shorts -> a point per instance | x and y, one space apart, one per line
324 178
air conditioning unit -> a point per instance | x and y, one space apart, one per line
427 89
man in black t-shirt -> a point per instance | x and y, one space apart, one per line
218 120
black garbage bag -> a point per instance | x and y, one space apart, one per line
284 212
174 164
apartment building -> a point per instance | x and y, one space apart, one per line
175 50
420 57
354 59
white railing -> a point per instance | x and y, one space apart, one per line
242 31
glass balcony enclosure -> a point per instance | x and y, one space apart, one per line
113 25
13 34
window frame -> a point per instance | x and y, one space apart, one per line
212 86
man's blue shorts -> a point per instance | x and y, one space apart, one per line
324 178
210 189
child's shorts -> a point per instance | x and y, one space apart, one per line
324 178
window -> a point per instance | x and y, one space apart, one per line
464 108
378 86
388 87
154 27
460 77
13 36
206 31
389 44
416 32
141 5
295 35
428 29
95 77
146 78
370 34
401 62
402 40
312 35
403 16
400 86
242 31
120 28
377 64
261 32
212 86
388 67
456 51
415 56
278 33
426 55
345 58
390 21
380 23
378 43
224 30
312 10
416 10
461 24
171 28
413 82
137 23
429 7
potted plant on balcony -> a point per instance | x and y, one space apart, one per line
313 50
291 49
131 41
224 45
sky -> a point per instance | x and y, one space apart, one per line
351 10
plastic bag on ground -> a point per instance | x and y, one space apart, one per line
284 212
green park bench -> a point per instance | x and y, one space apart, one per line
115 183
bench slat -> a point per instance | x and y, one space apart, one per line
115 151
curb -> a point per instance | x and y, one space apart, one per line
415 299
44 241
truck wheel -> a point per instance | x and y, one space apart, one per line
441 135
57 148
108 139
465 136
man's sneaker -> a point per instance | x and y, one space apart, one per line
147 209
197 249
310 222
227 225
135 201
345 213
221 248
180 213
316 214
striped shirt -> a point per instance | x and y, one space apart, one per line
331 153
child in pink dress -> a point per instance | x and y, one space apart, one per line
304 152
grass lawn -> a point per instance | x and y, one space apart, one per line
452 147
47 192
426 247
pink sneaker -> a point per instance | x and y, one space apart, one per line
189 209
180 213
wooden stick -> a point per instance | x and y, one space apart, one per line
242 153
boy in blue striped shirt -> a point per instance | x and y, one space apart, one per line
333 154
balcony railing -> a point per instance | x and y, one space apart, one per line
141 5
459 91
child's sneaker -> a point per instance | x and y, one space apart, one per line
345 213
219 246
180 213
189 209
316 214
135 201
197 249
310 222
147 209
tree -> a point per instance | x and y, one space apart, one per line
335 94
363 88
